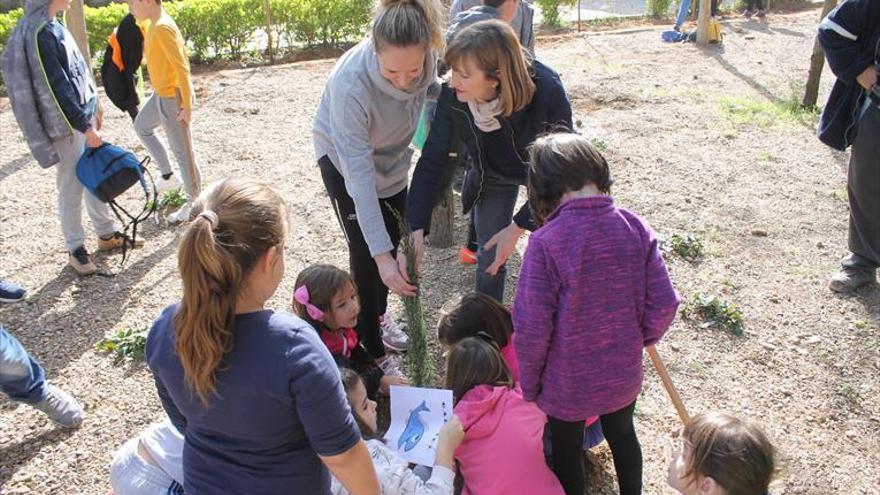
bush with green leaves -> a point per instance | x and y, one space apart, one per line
550 9
100 23
659 8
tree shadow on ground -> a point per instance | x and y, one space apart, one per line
15 166
18 454
91 306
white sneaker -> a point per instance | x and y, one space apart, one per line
393 336
181 215
168 184
391 365
61 407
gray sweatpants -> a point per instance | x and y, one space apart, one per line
71 193
863 186
161 111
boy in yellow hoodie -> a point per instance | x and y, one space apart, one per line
170 105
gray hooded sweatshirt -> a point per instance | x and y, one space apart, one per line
463 13
34 105
364 125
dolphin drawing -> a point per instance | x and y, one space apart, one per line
414 430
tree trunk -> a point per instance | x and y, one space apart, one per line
76 24
817 62
443 222
703 22
268 9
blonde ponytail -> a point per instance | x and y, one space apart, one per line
404 23
235 222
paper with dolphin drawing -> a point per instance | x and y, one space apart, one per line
417 414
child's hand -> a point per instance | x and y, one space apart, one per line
184 115
451 436
387 381
93 140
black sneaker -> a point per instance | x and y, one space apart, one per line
80 261
850 278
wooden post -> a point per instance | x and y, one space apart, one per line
579 15
76 24
667 384
268 8
817 62
703 22
443 222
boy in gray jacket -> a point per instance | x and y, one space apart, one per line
55 103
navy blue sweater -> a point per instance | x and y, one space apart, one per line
548 111
850 36
68 75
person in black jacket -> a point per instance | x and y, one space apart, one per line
850 36
496 102
123 56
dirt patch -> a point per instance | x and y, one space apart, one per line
807 367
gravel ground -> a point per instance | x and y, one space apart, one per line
766 197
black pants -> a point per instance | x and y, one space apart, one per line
567 438
372 291
863 188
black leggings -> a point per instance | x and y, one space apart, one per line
567 438
371 290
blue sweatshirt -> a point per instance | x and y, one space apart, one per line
68 75
850 36
279 404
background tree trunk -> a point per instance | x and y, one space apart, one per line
443 222
817 63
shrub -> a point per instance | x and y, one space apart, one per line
550 10
660 8
100 22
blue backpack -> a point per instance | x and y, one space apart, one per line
108 171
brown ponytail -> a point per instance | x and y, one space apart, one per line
234 223
404 23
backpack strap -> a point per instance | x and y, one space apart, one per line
150 206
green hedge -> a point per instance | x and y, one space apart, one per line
550 10
230 28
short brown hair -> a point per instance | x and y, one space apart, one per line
495 49
733 452
559 163
476 313
472 362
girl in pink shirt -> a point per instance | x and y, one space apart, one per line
477 313
502 451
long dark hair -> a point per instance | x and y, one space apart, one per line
562 162
350 380
476 313
474 361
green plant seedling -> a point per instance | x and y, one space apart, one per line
126 343
716 312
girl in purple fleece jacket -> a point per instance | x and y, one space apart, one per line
593 292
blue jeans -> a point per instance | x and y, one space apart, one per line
21 378
492 212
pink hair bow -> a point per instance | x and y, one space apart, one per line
301 296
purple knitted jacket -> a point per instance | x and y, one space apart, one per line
593 291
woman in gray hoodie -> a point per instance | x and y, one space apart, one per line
362 132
